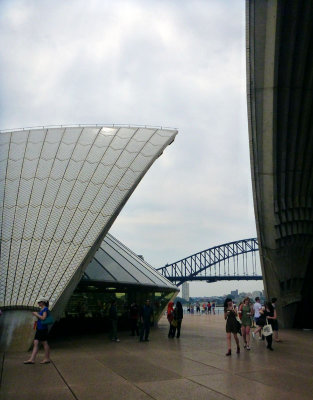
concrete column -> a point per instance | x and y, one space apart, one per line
16 330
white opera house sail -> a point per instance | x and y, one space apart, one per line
61 189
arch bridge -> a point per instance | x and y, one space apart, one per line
229 261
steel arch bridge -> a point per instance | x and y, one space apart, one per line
228 261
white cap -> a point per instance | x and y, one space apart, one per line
42 300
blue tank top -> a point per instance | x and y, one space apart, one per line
40 326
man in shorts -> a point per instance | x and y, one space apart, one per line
257 307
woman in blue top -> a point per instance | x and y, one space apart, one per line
41 333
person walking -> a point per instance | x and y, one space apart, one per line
170 318
271 316
245 311
257 307
146 314
41 335
134 315
275 322
178 317
230 315
113 318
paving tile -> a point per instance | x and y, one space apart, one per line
193 367
112 391
137 369
291 383
181 389
40 393
22 377
181 365
239 388
83 370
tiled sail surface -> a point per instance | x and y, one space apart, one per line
59 188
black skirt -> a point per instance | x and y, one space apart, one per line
41 335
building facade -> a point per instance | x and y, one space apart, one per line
280 109
61 190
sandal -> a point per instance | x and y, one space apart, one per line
28 362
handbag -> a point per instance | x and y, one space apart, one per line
49 320
238 326
174 323
267 329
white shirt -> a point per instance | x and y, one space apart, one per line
257 307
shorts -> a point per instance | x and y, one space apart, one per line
260 321
274 324
41 335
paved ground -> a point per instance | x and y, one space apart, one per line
192 367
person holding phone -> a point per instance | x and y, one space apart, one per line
41 334
230 315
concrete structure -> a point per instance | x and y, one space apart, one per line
185 291
280 108
60 191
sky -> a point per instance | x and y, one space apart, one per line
170 63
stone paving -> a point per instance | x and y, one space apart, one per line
192 367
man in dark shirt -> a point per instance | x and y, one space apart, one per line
113 318
146 313
134 315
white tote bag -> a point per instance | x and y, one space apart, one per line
267 329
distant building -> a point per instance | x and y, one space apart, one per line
185 291
234 292
257 293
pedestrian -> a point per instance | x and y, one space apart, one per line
275 322
178 317
213 307
209 308
271 316
41 335
146 314
257 306
113 318
134 316
245 312
230 315
170 318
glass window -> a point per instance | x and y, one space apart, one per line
96 272
114 268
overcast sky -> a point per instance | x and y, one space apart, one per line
152 62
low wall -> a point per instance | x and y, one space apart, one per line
16 330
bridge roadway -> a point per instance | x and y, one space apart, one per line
192 367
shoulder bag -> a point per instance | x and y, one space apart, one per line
267 329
